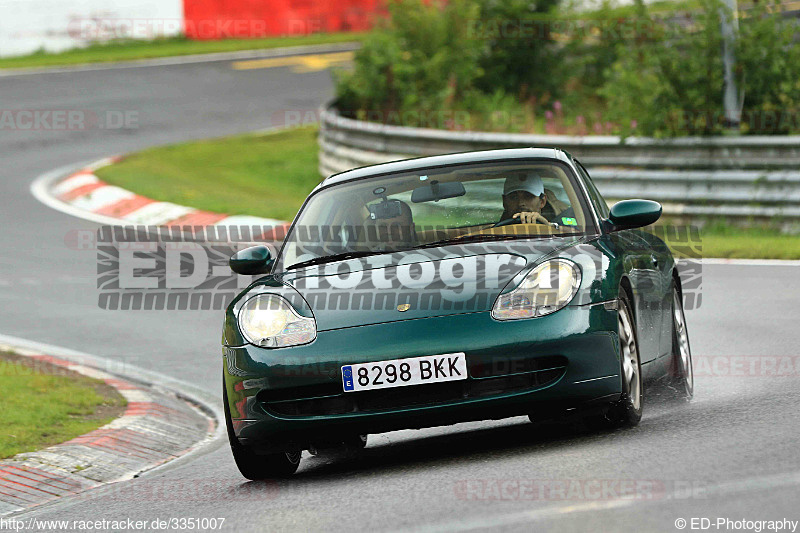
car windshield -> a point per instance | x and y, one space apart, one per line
438 206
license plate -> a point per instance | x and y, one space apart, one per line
404 372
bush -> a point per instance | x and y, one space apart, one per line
415 65
453 66
496 65
768 59
671 84
520 56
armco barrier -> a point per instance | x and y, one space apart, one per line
745 176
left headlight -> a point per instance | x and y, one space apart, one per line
545 289
269 321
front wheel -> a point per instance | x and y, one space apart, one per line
680 371
627 411
253 466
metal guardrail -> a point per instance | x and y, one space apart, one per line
725 176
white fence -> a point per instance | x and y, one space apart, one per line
54 25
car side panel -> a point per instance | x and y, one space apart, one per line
666 264
636 264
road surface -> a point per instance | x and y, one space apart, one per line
731 453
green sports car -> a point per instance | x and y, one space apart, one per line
446 289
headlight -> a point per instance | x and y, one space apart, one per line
268 320
544 290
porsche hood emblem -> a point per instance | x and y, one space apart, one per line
403 307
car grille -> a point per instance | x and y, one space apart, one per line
416 396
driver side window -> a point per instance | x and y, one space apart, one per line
595 196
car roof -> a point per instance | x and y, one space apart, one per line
408 165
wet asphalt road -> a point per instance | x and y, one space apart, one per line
731 453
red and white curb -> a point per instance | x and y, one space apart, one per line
84 195
156 427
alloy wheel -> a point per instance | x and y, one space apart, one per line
630 358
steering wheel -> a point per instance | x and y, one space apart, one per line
507 222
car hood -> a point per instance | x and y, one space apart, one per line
415 284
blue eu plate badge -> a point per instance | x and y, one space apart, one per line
347 377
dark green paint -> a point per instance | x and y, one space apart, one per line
634 213
584 332
252 261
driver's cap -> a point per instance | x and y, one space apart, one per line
528 182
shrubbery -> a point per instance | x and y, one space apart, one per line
513 65
672 81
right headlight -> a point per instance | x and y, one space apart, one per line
545 289
269 321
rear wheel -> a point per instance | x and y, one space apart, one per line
254 466
627 411
681 373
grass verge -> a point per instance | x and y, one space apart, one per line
45 404
129 50
748 243
269 175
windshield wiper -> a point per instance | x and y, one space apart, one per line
444 242
337 257
478 238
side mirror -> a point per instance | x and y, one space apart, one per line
251 261
634 214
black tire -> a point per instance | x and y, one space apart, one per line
681 373
253 466
627 411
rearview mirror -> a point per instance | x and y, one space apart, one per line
436 191
634 214
251 261
385 210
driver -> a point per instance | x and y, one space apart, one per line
524 199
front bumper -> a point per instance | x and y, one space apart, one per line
290 397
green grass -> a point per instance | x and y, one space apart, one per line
270 175
45 408
749 243
267 175
128 50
